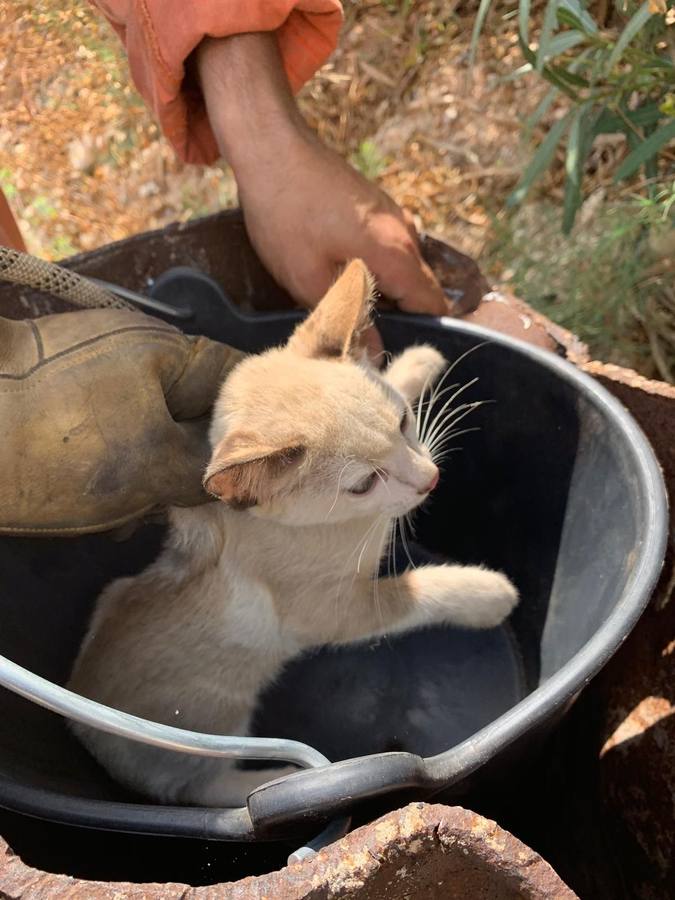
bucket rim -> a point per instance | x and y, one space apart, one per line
564 685
444 769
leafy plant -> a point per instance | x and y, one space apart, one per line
62 247
368 160
6 184
613 82
608 282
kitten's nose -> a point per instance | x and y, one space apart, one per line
432 484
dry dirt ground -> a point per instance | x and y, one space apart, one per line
83 163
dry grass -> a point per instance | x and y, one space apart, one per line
84 162
80 157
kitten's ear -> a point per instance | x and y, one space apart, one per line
245 472
332 330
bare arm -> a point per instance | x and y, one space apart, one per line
306 209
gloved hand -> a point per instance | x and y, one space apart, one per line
104 417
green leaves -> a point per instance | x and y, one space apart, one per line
547 72
542 108
646 151
483 9
610 85
549 23
580 141
616 123
571 12
540 161
634 26
580 122
368 160
563 42
524 19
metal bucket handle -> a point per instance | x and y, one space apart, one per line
60 700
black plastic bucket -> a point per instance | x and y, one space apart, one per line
559 488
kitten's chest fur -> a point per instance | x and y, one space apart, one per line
281 585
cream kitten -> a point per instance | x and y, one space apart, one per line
314 454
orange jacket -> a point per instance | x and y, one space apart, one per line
160 35
10 236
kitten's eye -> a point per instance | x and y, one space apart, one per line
404 421
365 485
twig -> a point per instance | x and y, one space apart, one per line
508 173
376 75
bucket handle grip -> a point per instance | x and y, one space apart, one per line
321 793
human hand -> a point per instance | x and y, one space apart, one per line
306 210
308 213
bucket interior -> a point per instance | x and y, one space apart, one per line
544 491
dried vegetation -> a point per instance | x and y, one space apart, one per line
83 163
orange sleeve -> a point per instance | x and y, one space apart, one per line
10 236
160 35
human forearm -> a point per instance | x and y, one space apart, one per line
161 39
249 102
307 211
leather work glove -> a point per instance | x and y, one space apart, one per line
104 416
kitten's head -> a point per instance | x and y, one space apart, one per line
312 433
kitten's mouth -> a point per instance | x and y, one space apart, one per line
420 500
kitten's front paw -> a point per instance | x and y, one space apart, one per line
495 600
415 370
424 360
469 596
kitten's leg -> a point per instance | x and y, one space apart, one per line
414 371
229 786
468 596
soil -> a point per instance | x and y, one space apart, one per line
83 163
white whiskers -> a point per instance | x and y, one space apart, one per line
401 520
350 460
437 431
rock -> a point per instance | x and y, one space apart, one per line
420 851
